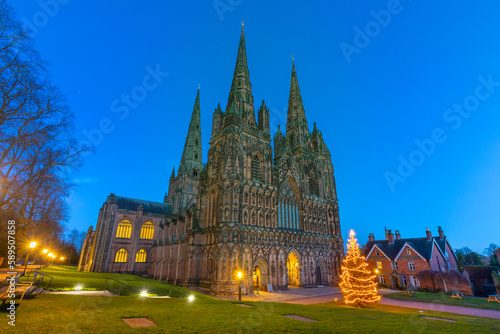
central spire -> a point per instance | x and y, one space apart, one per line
296 124
240 97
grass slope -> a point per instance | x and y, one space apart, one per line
85 314
66 278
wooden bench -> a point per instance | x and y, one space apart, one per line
493 298
4 295
21 287
409 292
458 295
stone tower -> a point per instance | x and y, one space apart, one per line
183 188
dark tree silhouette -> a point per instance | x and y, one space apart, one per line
38 151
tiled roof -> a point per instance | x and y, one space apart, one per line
131 204
421 245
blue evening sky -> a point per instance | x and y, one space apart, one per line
427 76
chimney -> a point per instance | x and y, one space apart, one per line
371 237
441 233
390 237
429 234
398 236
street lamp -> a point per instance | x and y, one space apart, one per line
239 287
45 251
32 245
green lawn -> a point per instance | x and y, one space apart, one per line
48 313
441 298
67 278
85 314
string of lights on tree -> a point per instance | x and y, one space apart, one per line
358 285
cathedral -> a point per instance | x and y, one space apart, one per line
244 217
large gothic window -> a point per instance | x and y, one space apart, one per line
288 212
313 184
121 255
256 168
147 230
140 256
124 229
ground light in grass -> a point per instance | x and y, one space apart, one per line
191 298
78 287
144 293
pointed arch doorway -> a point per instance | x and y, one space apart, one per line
260 275
293 266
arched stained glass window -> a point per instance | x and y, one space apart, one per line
256 168
288 212
121 255
140 256
124 229
147 230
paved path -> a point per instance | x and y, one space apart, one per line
476 312
328 294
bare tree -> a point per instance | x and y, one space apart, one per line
38 151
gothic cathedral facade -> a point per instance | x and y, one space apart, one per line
275 218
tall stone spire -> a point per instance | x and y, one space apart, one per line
191 161
241 88
297 129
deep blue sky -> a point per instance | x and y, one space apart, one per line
396 89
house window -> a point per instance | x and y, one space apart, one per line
376 252
379 265
411 266
403 280
195 172
140 256
414 281
124 229
408 251
121 255
381 279
147 230
190 188
394 265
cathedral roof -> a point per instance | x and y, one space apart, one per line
132 204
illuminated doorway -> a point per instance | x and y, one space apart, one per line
256 278
293 267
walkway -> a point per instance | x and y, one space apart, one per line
476 312
328 294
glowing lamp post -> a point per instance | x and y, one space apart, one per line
32 245
240 275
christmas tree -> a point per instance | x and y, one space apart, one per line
358 285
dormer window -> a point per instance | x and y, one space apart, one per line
408 252
376 252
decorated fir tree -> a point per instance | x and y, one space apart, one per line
358 285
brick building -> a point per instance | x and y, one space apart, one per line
397 261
